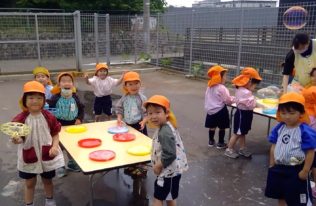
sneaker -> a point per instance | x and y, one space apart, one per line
231 153
211 143
50 202
72 166
61 172
221 145
244 152
314 191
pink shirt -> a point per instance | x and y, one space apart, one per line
245 99
216 97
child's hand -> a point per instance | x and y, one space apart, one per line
142 124
16 140
157 168
53 152
120 123
86 76
78 121
303 175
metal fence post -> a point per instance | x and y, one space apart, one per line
157 42
191 41
37 42
240 37
107 38
78 42
135 39
96 37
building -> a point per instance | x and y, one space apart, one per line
235 3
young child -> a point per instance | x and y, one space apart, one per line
38 152
102 87
129 109
69 109
42 75
309 94
216 98
245 83
291 153
168 156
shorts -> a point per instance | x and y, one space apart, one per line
103 105
46 175
283 183
219 119
137 127
242 121
169 190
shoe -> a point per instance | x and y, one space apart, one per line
211 143
61 172
221 145
231 153
72 166
314 191
244 152
50 202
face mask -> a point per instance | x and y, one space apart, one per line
66 92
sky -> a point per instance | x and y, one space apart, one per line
186 3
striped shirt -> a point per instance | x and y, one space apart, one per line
292 143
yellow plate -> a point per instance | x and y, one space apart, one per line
76 129
270 101
139 150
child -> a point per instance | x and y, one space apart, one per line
41 74
216 98
168 156
245 83
309 94
291 153
102 87
38 152
129 109
69 109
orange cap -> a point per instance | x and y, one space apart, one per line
164 102
310 99
100 66
293 97
246 74
214 73
160 100
131 76
33 86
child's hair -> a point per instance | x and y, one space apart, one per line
156 105
255 81
312 71
300 39
65 74
291 105
222 73
29 94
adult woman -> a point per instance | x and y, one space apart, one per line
302 57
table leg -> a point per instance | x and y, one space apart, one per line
230 122
269 125
91 188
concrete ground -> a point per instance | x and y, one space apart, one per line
212 178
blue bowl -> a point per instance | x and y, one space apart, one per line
269 111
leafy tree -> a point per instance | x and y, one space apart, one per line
95 5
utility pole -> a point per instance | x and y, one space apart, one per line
146 26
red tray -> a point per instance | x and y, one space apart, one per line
124 137
89 143
102 155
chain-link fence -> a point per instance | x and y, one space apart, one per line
189 40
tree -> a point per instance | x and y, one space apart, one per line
93 5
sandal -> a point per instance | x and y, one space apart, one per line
139 173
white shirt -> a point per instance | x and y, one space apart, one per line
40 136
103 87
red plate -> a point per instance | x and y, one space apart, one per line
89 143
124 137
102 155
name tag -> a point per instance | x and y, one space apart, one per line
72 107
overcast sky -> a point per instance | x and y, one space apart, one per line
187 3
